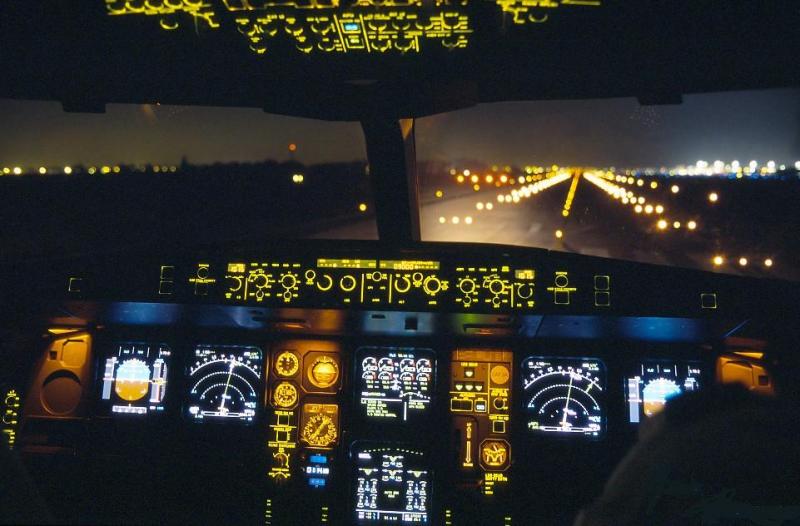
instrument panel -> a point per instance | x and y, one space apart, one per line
376 432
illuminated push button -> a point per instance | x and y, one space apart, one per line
561 280
480 406
498 426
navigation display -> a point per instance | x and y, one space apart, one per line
655 382
564 396
392 485
134 378
224 383
395 384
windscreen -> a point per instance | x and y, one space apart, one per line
157 175
710 183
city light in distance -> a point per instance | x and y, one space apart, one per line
439 193
298 178
559 234
489 205
662 224
362 207
768 262
42 170
468 220
67 170
442 220
713 197
718 260
17 170
479 206
659 209
455 220
743 261
675 189
676 224
691 225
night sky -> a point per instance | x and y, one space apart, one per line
741 125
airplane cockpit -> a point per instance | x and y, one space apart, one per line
455 293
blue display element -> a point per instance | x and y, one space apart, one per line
351 27
316 482
318 459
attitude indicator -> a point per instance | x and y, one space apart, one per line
655 383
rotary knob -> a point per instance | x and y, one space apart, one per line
496 286
467 285
432 285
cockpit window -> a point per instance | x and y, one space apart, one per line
153 173
711 183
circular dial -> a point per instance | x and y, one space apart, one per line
287 364
319 431
324 372
564 395
285 395
224 384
